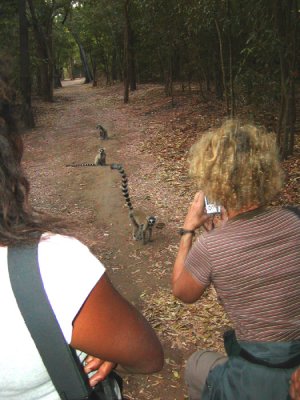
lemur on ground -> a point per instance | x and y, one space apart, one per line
142 222
102 132
100 160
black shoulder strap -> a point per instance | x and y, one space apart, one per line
295 210
29 292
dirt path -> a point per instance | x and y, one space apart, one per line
66 133
150 139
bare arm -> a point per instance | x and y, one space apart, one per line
184 285
110 328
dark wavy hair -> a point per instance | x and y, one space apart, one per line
19 222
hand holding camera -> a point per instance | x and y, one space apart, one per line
203 213
196 215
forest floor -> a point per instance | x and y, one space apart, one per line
150 137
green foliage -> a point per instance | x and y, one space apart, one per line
233 45
64 45
99 27
9 28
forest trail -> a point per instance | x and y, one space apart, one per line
150 137
66 133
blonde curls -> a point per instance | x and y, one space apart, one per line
237 165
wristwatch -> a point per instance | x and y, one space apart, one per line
182 232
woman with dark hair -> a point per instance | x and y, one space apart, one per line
252 260
92 315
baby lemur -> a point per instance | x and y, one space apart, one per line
141 222
100 159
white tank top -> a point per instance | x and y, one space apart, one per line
69 272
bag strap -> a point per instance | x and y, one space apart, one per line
295 210
291 363
60 360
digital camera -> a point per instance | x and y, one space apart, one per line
211 208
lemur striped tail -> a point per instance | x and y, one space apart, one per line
124 184
82 165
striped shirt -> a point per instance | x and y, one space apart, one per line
253 261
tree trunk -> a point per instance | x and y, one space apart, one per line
70 68
57 77
292 118
207 78
169 80
85 65
25 78
286 25
201 78
217 77
44 47
231 84
161 65
94 71
201 88
114 75
132 70
126 52
222 67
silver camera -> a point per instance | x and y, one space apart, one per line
211 208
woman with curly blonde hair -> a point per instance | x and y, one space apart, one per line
252 260
238 165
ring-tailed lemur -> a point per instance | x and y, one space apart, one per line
141 222
100 159
102 132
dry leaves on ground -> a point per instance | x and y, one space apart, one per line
200 324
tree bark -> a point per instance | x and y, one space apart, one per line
286 25
57 78
114 75
217 77
231 84
126 52
222 67
44 46
131 61
25 78
86 68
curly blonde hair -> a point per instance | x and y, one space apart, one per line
237 165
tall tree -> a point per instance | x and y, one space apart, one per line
126 52
87 72
25 77
42 28
286 17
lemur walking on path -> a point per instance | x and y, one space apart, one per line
142 223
